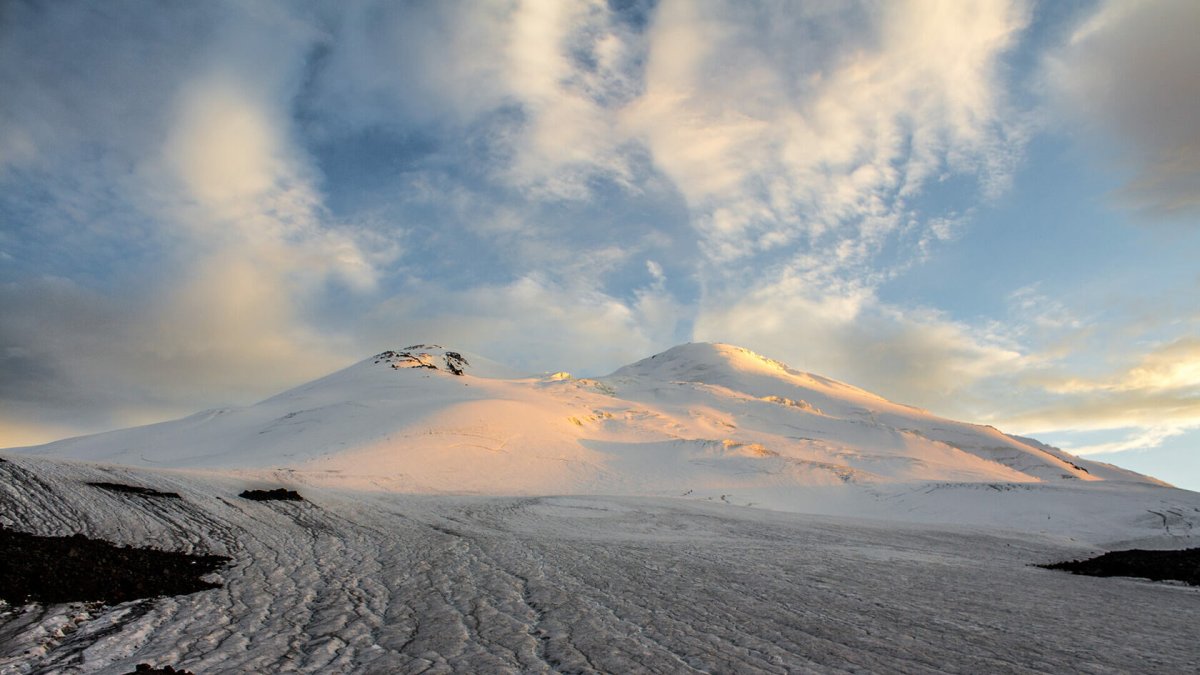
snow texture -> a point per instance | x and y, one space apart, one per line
351 582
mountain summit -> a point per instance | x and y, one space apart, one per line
699 417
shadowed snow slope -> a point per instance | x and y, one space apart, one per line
708 421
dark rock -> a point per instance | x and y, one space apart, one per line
147 669
455 363
278 494
1156 565
135 490
80 569
414 357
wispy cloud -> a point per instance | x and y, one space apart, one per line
1138 439
536 323
800 131
916 355
1159 393
197 166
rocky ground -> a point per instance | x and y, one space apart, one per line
81 569
1182 566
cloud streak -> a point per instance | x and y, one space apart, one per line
1159 392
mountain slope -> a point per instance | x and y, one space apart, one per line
849 422
706 418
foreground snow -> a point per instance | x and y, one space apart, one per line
380 582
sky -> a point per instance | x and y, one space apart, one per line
986 209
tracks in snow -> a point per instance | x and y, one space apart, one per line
355 583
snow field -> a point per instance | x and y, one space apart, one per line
381 582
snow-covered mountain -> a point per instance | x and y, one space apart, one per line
709 419
571 556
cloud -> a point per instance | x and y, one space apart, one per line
1138 439
74 358
912 355
1129 74
542 80
799 129
1169 367
536 324
224 147
400 66
1110 410
184 215
18 429
1173 366
564 66
245 191
91 76
1033 307
1159 394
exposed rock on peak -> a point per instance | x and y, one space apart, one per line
425 356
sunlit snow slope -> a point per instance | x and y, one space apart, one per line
701 419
